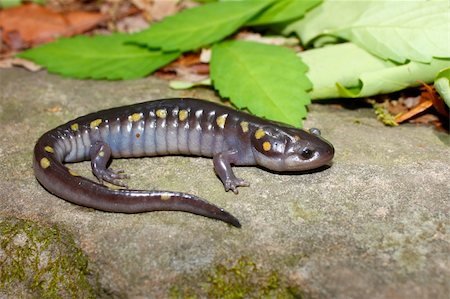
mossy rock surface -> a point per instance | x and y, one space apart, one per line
42 262
238 279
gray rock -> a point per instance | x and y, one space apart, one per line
374 225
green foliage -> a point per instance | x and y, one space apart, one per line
357 73
395 30
267 80
42 261
199 26
283 11
394 44
98 57
12 3
9 3
442 85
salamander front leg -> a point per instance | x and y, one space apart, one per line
100 154
222 165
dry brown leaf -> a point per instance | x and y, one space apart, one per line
187 67
117 10
429 93
187 59
29 25
164 8
414 111
156 10
132 24
10 62
145 6
72 5
413 108
425 119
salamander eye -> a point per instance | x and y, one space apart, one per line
307 153
314 131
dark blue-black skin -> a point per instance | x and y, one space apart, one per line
169 127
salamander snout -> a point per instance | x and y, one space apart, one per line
311 155
292 150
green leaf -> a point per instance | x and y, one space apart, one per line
9 3
177 84
395 30
442 85
198 26
98 57
12 3
283 11
346 70
267 80
322 21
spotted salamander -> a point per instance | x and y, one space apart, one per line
168 127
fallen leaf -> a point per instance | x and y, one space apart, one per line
175 84
132 24
244 71
269 40
442 85
145 6
31 24
427 119
429 93
10 62
414 111
205 55
413 108
98 57
187 60
402 105
187 68
194 28
156 10
164 8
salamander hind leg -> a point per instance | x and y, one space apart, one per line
222 166
100 153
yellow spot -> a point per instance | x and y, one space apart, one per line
101 153
74 127
96 123
259 133
73 173
221 120
165 196
161 113
297 138
182 115
49 149
135 117
244 126
267 146
45 163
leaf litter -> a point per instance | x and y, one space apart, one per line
189 67
31 24
427 108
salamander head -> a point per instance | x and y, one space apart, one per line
290 149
